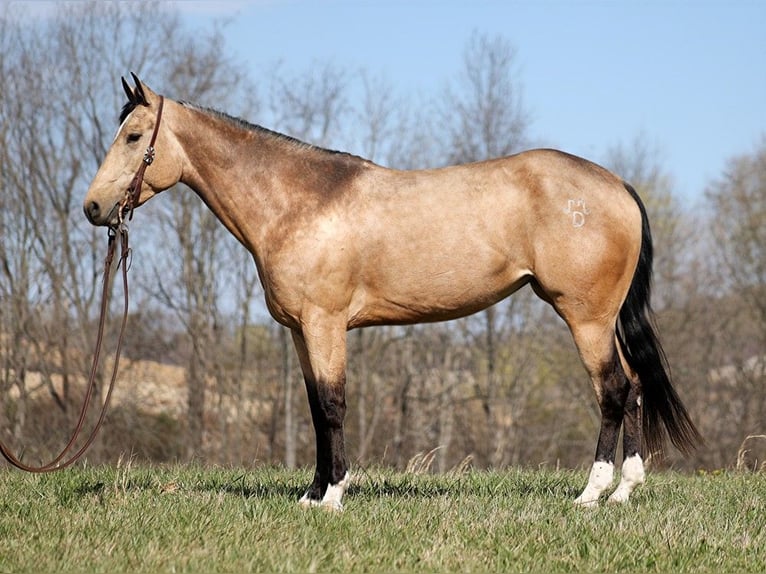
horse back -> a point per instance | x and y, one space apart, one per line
438 244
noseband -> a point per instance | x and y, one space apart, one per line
133 193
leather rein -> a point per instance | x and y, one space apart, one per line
125 208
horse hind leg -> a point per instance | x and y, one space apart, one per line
615 393
632 473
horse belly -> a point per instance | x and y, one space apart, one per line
435 285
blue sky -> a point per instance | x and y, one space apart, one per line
688 75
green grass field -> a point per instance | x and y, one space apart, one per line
194 519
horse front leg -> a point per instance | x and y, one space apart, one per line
322 354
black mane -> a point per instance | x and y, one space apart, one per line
244 124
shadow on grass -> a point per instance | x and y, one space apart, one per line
483 484
390 484
279 483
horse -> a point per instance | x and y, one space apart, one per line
340 242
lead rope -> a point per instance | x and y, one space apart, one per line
126 209
56 463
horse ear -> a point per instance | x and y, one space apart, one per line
128 91
140 96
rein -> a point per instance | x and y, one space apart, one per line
126 208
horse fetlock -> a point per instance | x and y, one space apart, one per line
334 494
332 499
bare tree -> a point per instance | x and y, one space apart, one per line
737 211
46 257
738 204
187 282
310 106
483 113
58 117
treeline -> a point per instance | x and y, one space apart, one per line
503 387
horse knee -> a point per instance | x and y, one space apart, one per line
332 404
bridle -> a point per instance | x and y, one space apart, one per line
134 189
126 208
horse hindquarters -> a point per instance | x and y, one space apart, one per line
585 269
637 390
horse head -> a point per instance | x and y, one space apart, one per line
132 171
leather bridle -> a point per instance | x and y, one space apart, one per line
126 208
134 189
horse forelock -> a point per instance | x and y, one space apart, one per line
126 110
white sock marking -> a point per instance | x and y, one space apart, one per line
601 476
307 502
332 497
632 475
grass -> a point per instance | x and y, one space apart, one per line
193 519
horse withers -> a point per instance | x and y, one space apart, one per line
340 242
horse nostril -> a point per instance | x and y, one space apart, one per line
92 211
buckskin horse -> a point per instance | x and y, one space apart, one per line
340 242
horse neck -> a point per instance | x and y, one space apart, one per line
227 167
257 181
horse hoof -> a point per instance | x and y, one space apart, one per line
306 502
331 505
618 497
327 505
580 502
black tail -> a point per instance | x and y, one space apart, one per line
661 406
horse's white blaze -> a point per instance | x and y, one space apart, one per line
601 476
120 128
632 476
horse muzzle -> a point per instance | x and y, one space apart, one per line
97 215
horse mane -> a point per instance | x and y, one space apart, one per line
244 124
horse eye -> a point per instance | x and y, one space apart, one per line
132 138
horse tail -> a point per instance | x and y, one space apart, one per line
661 406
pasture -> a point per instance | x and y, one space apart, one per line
132 518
